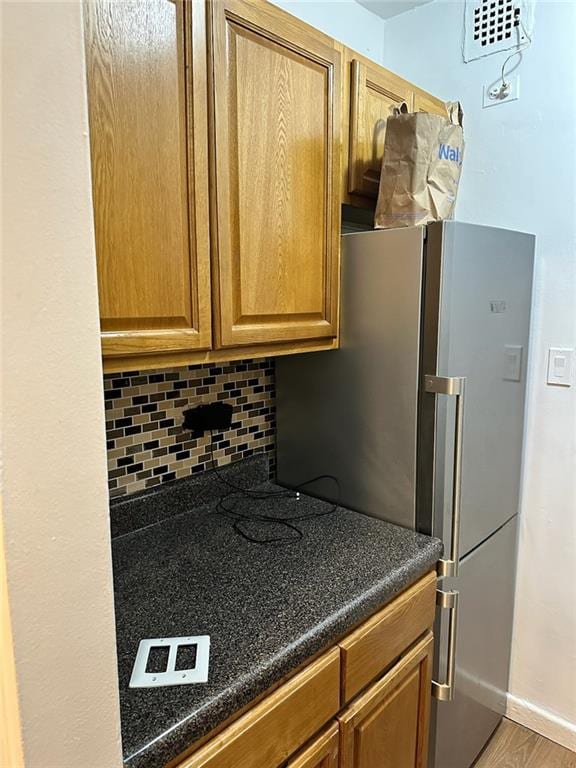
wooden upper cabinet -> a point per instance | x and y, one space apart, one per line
424 102
370 93
373 93
146 68
276 123
216 141
387 726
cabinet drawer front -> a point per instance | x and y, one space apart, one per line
277 152
368 651
274 729
387 726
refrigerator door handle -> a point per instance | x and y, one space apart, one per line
445 691
455 386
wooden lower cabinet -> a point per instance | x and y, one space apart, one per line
308 722
321 753
387 726
276 727
374 646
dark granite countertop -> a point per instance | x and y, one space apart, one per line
267 608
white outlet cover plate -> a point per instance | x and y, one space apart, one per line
514 94
171 676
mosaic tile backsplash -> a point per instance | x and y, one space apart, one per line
146 443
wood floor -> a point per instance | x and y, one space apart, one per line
513 746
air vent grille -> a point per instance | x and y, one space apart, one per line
492 26
494 22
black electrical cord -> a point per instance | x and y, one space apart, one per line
241 519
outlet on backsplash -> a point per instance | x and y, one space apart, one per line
211 417
145 439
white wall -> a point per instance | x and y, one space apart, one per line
345 20
57 540
520 173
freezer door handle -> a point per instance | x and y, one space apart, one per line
456 387
449 600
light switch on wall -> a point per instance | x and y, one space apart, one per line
512 362
560 366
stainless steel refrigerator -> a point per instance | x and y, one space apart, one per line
420 414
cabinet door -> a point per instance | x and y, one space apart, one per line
373 93
321 753
277 152
267 734
387 726
146 65
424 102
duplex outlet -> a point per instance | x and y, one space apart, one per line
495 93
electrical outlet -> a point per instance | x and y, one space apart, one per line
496 93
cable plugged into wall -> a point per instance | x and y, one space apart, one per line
494 27
259 515
499 91
507 87
210 417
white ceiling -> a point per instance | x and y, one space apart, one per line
387 8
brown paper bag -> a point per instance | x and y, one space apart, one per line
420 168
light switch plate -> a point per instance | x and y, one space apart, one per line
560 363
513 362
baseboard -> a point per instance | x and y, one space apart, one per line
543 722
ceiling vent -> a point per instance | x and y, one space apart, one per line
492 26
